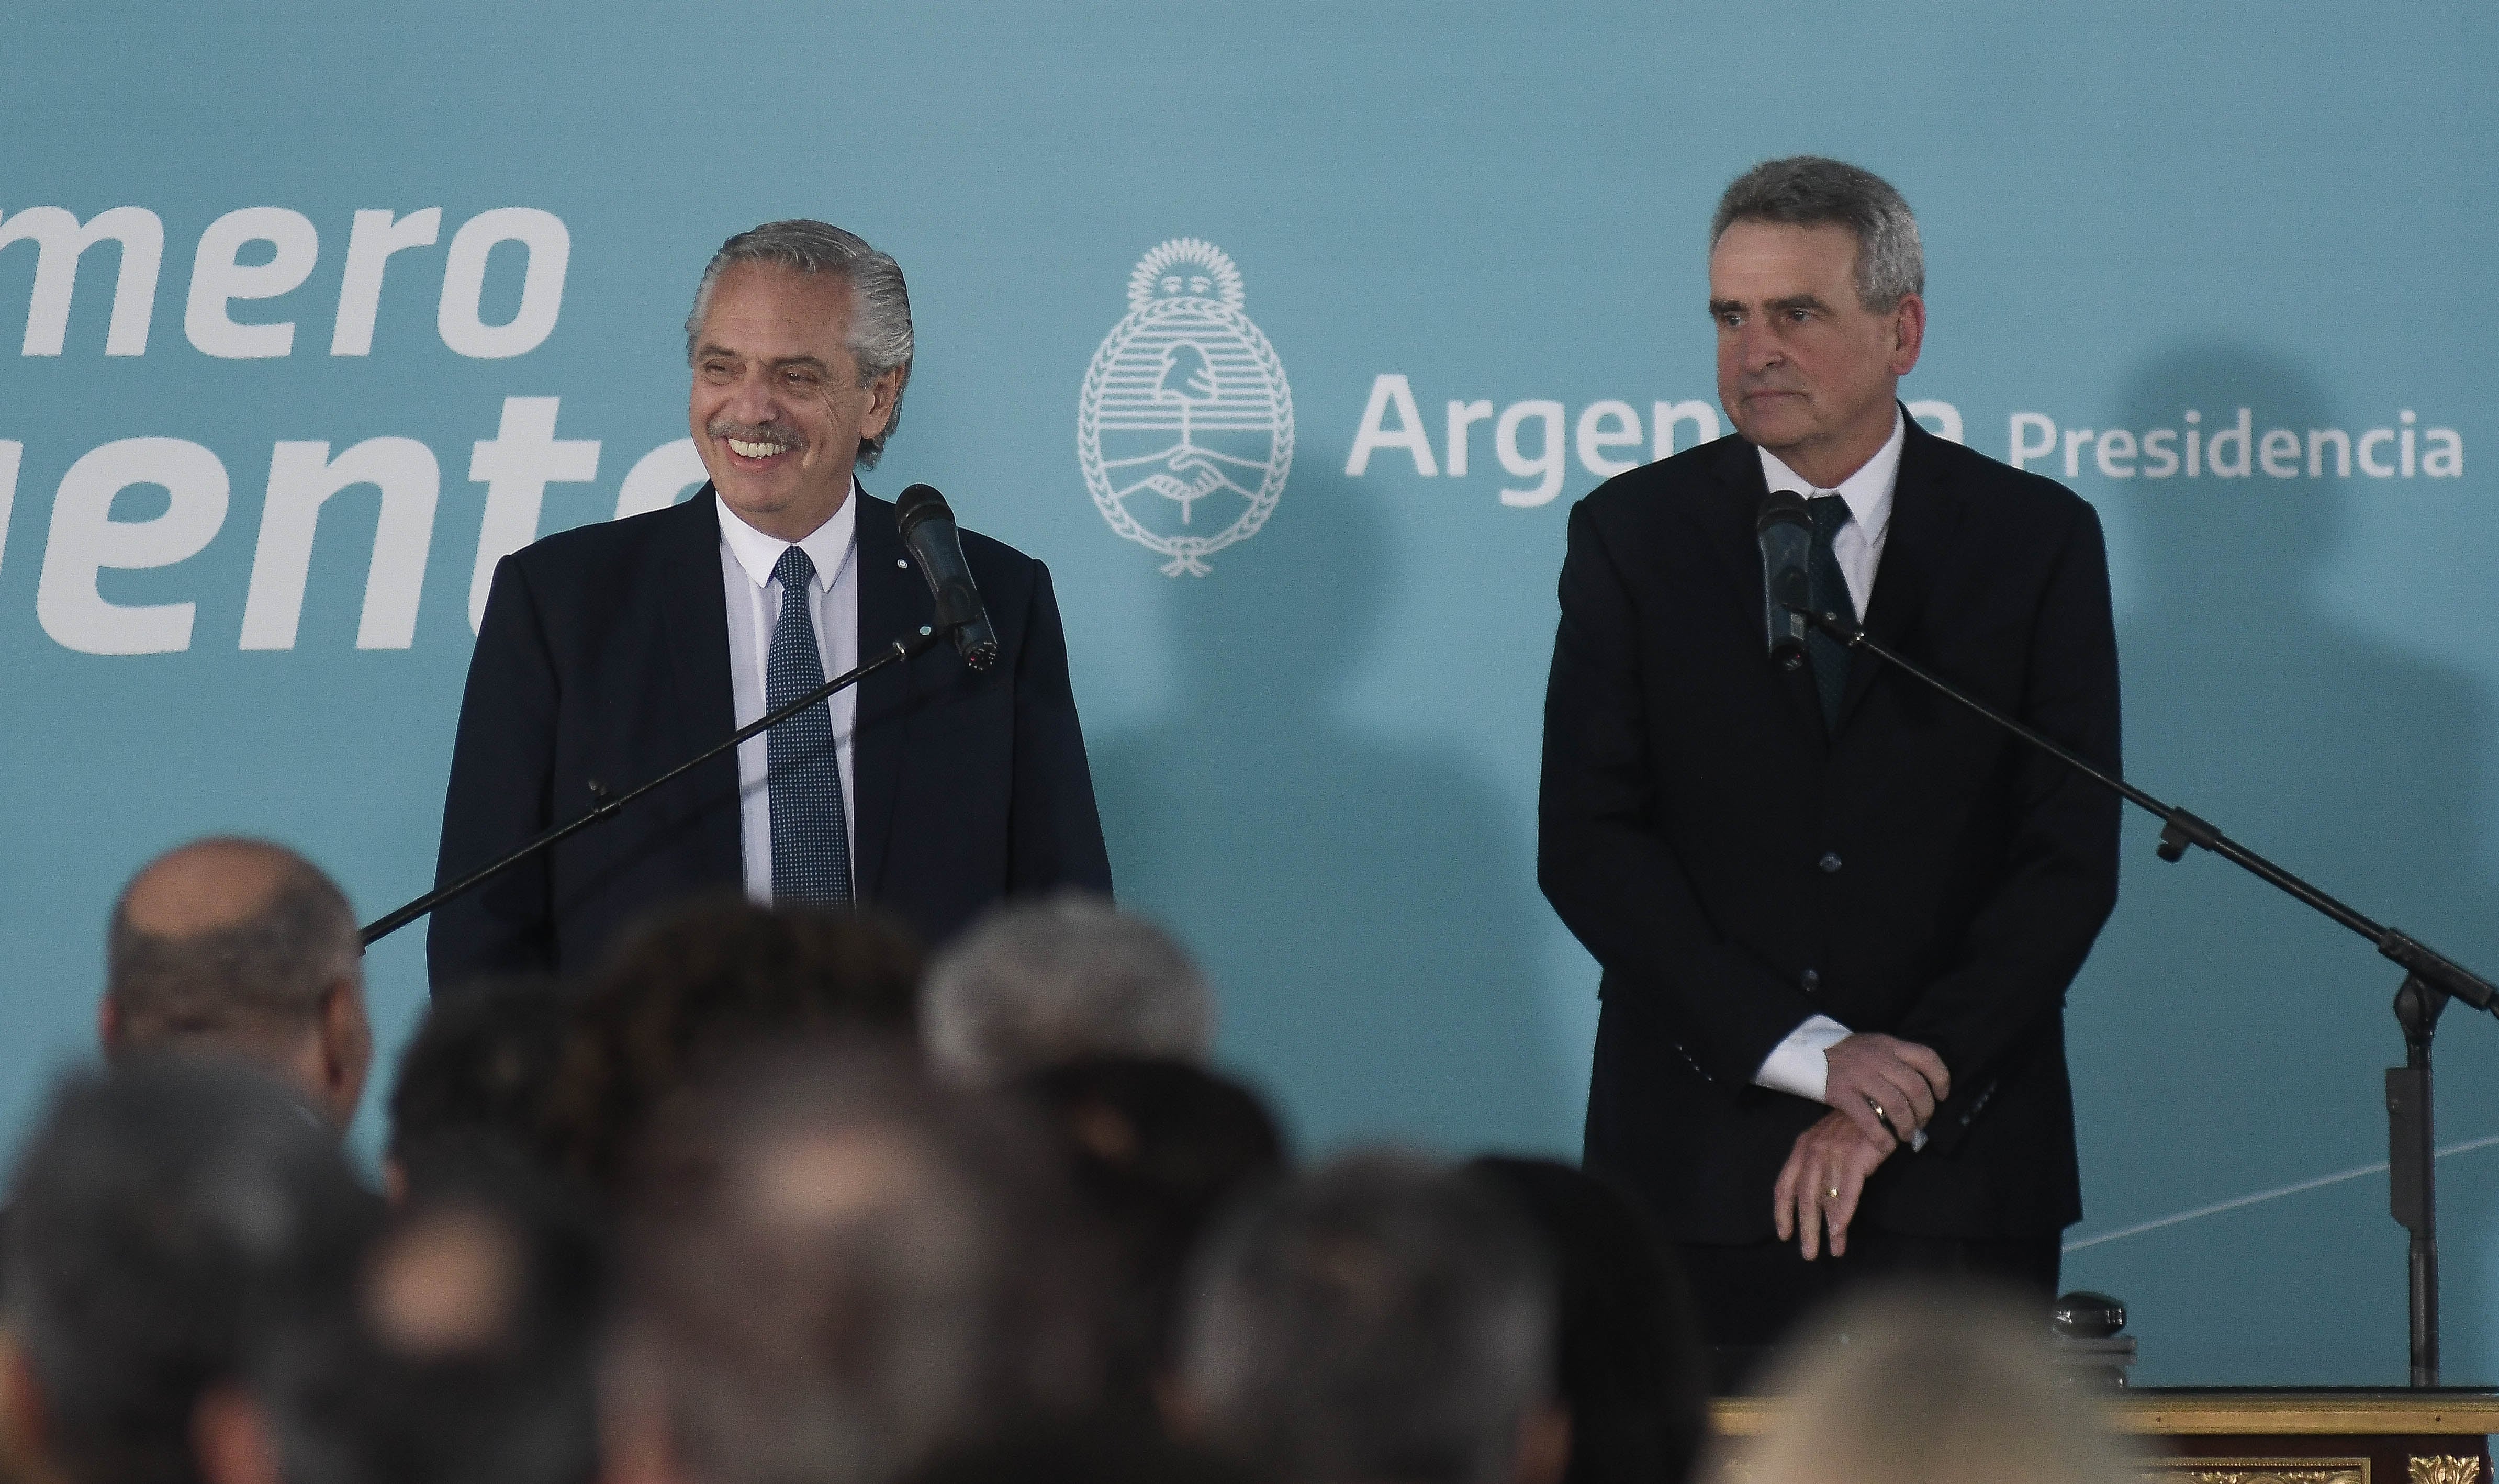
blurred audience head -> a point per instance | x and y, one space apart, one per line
1052 981
1924 1386
167 1215
1382 1320
833 1270
465 1352
241 948
1159 1149
1631 1368
477 1075
719 976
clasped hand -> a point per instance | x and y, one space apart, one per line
1881 1091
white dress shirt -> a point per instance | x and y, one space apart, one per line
747 557
1797 1064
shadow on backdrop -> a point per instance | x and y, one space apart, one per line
2231 1041
1364 905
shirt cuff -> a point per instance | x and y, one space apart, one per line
1796 1064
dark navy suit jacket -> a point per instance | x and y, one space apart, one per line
603 658
1736 867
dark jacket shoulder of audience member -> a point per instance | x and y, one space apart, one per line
1631 1368
1101 1451
718 976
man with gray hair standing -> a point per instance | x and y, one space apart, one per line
244 949
1836 915
611 652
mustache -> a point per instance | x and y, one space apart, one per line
756 433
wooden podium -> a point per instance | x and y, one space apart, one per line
2235 1436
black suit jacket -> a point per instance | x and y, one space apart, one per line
1736 866
603 656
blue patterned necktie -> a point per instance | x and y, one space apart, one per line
1827 588
811 856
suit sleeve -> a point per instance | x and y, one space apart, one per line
2059 884
501 770
1600 858
1055 832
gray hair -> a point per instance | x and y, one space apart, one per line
1933 1387
1807 190
271 969
880 328
1383 1317
1048 981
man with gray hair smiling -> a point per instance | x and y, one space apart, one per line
611 652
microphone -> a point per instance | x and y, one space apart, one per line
929 530
1786 534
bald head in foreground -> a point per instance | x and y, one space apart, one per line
244 950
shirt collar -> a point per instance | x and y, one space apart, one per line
1868 491
827 546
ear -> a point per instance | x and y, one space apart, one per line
1543 1445
346 1047
108 1025
883 395
1908 334
232 1441
24 1430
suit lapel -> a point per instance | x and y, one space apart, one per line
1740 472
893 603
1926 518
693 606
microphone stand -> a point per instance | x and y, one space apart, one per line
2430 980
899 652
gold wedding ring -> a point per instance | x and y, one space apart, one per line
1834 1192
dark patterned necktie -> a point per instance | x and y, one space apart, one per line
811 855
1827 590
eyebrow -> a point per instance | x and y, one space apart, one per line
1718 307
812 363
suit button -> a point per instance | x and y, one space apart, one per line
1829 862
1810 980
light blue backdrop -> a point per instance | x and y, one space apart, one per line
1318 761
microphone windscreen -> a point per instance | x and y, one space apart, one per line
1778 507
918 503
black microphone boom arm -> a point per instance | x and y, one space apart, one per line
900 650
2180 829
2431 979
